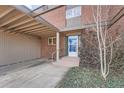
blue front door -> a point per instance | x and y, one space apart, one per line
73 45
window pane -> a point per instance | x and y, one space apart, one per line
49 41
54 41
72 48
74 12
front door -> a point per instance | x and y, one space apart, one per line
73 46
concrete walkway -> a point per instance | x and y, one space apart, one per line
35 74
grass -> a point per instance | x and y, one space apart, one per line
78 77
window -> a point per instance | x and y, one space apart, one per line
52 41
49 41
73 12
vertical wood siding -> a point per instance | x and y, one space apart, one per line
17 47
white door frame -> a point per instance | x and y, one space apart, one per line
75 54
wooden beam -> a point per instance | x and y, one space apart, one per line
40 31
30 28
20 23
24 30
12 31
34 28
44 34
49 33
45 28
6 12
12 20
27 26
38 19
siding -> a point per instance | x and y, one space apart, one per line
17 47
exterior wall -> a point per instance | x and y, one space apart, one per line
56 17
89 50
17 47
48 50
117 28
74 21
114 10
89 10
86 16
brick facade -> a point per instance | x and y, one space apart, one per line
89 48
57 18
48 50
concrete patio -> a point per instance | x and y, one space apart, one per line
37 73
33 74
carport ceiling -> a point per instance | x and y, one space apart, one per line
18 19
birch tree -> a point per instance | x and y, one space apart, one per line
104 38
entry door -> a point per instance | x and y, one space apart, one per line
73 45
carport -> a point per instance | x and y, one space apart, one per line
21 32
21 64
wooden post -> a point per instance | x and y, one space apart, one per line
57 46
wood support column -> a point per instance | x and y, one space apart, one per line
57 46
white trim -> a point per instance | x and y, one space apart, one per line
57 46
51 40
73 12
48 40
73 53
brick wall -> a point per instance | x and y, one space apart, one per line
88 50
47 50
56 17
114 10
89 10
117 28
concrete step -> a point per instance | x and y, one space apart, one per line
68 61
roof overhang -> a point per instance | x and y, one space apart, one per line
19 19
